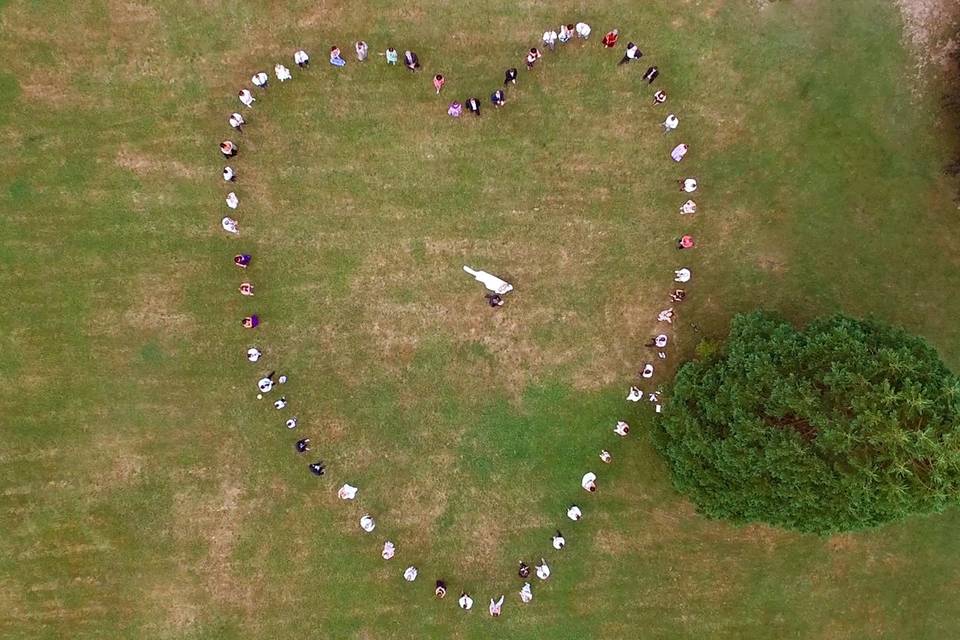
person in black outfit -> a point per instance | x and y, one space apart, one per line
524 570
651 75
494 300
498 98
474 106
303 445
318 468
510 76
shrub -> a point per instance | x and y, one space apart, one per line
845 425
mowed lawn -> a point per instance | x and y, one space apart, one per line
146 493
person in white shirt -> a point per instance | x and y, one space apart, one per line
671 123
622 428
282 73
232 200
678 152
688 185
236 121
260 79
229 225
410 573
574 513
543 571
301 58
495 606
246 98
550 39
632 53
666 316
253 354
566 33
280 403
292 423
605 456
688 207
465 602
659 97
367 523
583 30
635 395
347 492
682 275
388 550
557 541
589 482
229 175
361 50
265 383
647 371
526 593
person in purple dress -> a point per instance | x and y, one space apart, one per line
251 322
242 260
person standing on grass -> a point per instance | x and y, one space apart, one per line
610 39
558 541
550 39
236 121
438 82
532 56
510 76
632 53
411 61
283 74
524 571
526 593
543 571
361 50
589 482
474 106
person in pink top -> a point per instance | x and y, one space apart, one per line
438 82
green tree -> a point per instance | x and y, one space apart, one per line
845 425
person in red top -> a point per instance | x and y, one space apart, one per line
438 82
610 40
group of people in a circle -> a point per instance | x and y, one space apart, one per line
266 383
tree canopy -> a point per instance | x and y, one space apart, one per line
845 425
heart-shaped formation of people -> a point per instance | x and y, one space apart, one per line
551 39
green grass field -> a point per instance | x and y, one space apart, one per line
146 493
